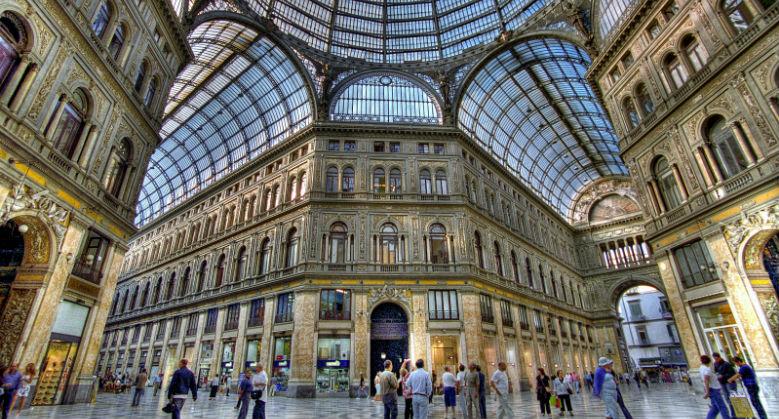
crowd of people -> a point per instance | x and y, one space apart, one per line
15 387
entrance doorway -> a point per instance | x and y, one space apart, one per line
389 338
11 255
771 261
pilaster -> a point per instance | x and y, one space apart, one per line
301 382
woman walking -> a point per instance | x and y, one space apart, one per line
377 385
563 390
24 387
712 390
543 392
605 387
214 388
408 412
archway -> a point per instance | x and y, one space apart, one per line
761 265
11 255
389 337
649 339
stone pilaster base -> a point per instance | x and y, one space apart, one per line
302 390
82 391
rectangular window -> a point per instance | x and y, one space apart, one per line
438 148
378 146
635 310
442 305
211 316
505 313
538 323
485 303
394 147
350 146
615 75
695 264
136 333
335 305
524 323
423 148
284 306
643 337
654 30
147 332
257 312
174 330
333 145
90 263
160 330
627 60
671 332
231 319
192 324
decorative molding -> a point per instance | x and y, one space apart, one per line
386 293
760 223
23 199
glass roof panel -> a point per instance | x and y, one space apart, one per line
532 109
249 101
611 14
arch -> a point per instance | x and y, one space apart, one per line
695 52
73 111
265 256
389 334
372 97
621 285
240 264
116 45
219 271
728 155
439 244
338 243
509 105
14 40
425 182
224 112
664 176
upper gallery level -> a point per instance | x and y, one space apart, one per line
82 94
693 90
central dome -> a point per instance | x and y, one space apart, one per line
397 31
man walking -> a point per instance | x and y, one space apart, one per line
244 391
482 393
712 390
472 391
260 389
449 383
181 384
10 383
725 372
140 386
421 388
747 376
461 389
388 383
500 383
157 382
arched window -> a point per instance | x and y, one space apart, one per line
303 184
12 40
677 73
379 181
644 100
331 179
515 266
695 52
151 92
220 271
265 255
631 115
425 183
338 233
666 182
171 287
276 196
439 251
388 244
293 188
145 295
529 272
395 181
292 248
67 130
133 299
479 251
441 186
140 76
729 155
498 259
157 291
542 278
102 17
118 165
240 264
201 275
347 181
184 286
117 41
738 14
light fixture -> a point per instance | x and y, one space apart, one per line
89 259
383 355
23 228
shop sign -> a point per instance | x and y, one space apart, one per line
332 363
281 364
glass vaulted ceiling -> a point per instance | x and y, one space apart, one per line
531 107
239 96
396 31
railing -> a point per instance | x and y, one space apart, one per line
256 321
85 272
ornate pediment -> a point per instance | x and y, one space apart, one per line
24 199
389 293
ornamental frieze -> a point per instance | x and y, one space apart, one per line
23 199
389 293
766 219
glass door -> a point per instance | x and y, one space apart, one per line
55 372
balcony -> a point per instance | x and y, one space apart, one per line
86 272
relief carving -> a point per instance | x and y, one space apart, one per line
46 208
386 293
762 125
12 323
766 219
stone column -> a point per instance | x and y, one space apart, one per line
418 327
301 382
24 88
216 359
742 142
707 177
472 329
266 348
362 332
712 163
16 78
240 341
679 181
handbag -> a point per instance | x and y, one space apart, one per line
256 394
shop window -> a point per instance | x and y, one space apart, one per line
284 304
442 305
485 304
728 154
695 264
252 352
332 374
92 258
257 312
281 362
335 305
721 332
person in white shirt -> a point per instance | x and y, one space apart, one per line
259 388
461 389
713 390
500 383
449 383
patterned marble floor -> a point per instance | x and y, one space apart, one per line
660 401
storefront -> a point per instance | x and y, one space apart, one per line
61 353
252 358
445 351
721 332
281 363
332 374
155 362
227 365
204 366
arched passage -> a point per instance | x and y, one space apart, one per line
650 345
389 337
761 265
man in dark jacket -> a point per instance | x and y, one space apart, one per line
181 384
482 393
725 371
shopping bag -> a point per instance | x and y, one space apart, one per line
741 406
554 401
